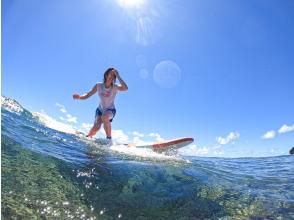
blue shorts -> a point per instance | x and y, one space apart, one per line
99 113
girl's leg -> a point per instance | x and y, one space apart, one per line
96 127
107 125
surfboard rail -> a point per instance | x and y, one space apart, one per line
167 144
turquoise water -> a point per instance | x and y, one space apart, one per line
47 174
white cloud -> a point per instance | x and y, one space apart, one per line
156 136
286 128
269 135
71 118
61 108
193 150
87 125
283 129
139 141
217 147
230 137
218 153
120 137
136 137
137 134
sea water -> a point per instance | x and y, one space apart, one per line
48 174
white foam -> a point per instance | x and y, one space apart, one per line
11 105
143 153
53 124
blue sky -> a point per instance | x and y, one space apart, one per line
219 71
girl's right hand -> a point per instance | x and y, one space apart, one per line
76 96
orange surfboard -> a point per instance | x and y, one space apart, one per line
166 145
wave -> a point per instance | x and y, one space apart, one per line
39 129
13 106
54 124
42 118
47 121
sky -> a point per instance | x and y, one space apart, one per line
221 72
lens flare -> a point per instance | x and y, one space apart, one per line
131 3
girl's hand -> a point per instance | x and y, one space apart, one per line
76 96
116 73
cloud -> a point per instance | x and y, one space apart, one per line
193 150
139 141
137 134
269 135
226 140
120 136
87 126
139 138
218 153
61 108
217 147
286 128
156 136
283 129
69 118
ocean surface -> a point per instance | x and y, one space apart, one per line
49 174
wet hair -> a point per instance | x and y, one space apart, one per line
292 151
106 73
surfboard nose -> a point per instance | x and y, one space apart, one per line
188 139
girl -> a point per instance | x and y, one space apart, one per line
106 109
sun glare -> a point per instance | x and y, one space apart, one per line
131 3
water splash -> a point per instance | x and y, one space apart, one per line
54 124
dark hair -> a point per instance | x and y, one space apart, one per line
292 151
106 74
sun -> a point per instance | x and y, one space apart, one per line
131 3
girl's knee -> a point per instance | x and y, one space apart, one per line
105 118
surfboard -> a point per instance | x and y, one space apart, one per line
166 145
157 146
